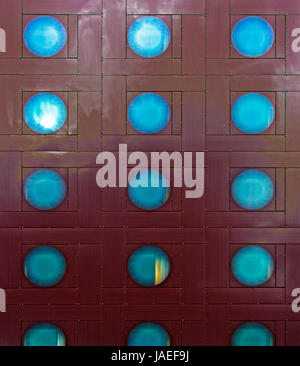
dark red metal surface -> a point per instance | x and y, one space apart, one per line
200 75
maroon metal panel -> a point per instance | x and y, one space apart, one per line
200 75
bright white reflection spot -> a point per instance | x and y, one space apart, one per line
148 36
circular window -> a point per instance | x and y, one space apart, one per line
252 113
45 189
44 334
44 266
252 36
45 113
252 189
149 266
45 36
149 113
148 189
148 334
252 334
149 36
252 266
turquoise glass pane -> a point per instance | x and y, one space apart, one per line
44 266
252 334
148 189
45 36
149 266
45 113
252 189
149 36
149 113
252 113
252 36
148 334
252 266
44 334
45 189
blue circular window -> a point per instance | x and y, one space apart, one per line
149 113
45 36
252 334
44 334
149 36
45 189
252 189
44 266
148 189
252 266
45 113
252 113
148 334
149 266
252 36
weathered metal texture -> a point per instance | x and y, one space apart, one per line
200 75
